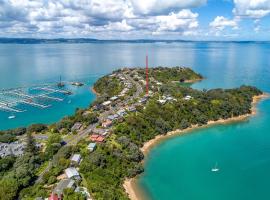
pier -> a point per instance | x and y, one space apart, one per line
10 99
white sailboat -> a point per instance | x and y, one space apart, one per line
215 169
12 117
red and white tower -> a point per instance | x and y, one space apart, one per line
146 76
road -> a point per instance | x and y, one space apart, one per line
85 133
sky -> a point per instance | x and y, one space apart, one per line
136 19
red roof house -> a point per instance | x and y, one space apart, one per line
54 197
97 138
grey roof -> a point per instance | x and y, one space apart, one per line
76 158
91 146
63 184
76 126
72 172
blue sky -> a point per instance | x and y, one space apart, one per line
136 19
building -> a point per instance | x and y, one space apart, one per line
113 98
131 109
97 138
63 184
77 126
100 131
54 197
76 158
106 103
72 173
106 124
91 147
162 101
187 97
121 112
113 117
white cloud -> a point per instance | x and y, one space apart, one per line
221 23
252 8
161 6
55 18
181 21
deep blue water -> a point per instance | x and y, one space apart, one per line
178 168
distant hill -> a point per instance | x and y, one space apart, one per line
76 40
91 40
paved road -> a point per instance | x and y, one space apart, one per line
84 133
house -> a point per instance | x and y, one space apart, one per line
72 172
131 109
106 103
188 97
76 126
106 124
162 101
113 117
121 112
143 100
76 158
100 131
63 184
54 197
97 107
113 98
97 138
92 146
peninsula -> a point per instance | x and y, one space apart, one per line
92 154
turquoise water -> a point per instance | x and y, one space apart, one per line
178 168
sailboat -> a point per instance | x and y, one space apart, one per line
12 117
215 169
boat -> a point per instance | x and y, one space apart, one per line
215 169
12 117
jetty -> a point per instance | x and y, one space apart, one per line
35 96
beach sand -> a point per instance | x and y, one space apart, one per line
130 184
94 91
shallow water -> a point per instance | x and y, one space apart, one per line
178 168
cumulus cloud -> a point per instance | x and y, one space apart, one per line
160 6
221 23
83 17
181 21
252 8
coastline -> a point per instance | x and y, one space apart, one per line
130 184
94 91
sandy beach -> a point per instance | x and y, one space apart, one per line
94 91
130 184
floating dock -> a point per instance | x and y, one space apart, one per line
10 99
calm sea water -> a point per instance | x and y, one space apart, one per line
178 168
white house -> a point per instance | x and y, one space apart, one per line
76 158
72 172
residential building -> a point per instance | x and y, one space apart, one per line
97 138
72 172
106 103
63 184
113 98
76 126
91 147
188 97
106 124
76 158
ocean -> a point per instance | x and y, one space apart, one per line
180 167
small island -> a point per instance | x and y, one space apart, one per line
95 153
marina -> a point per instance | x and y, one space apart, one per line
38 96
